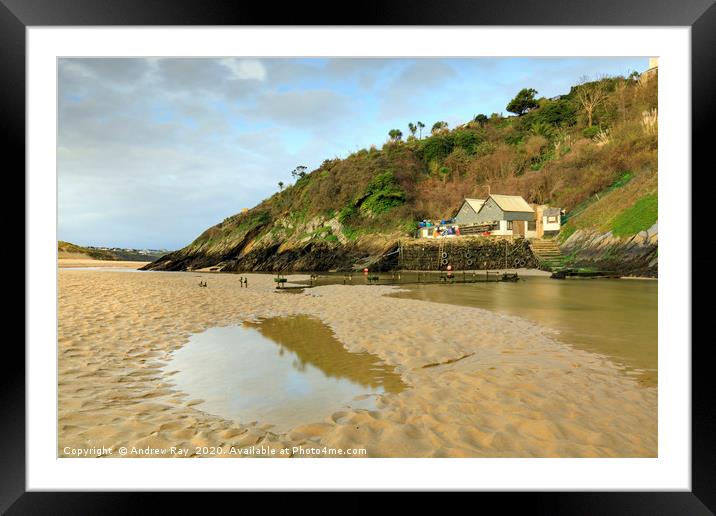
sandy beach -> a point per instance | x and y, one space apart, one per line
480 385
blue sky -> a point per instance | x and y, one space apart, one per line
153 151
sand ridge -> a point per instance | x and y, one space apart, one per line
504 387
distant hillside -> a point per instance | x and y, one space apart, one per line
592 151
68 250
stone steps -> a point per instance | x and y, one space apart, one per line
546 251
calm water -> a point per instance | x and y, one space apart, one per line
283 371
617 318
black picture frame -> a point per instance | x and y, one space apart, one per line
700 15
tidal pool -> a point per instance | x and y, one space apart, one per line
283 371
615 318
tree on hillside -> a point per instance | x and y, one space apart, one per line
299 172
523 102
280 185
420 128
591 95
412 128
480 119
439 127
395 135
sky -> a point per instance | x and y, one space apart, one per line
153 151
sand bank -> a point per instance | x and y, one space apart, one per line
67 263
516 393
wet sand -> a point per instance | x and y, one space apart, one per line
606 316
480 385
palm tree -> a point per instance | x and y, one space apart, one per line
395 134
420 126
412 128
280 185
541 128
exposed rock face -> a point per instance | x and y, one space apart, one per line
317 244
630 256
273 258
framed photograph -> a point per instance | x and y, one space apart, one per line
417 252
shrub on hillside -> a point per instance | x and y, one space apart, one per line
381 195
559 113
484 148
467 140
436 148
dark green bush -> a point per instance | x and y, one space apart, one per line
559 113
437 148
467 140
382 194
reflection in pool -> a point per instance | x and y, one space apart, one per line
283 371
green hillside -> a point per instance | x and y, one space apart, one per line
66 249
592 151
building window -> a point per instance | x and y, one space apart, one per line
551 219
531 225
509 224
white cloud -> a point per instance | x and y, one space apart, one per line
246 69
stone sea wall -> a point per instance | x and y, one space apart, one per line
465 253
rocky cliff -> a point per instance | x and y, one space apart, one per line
318 244
635 255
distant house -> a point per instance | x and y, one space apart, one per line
548 219
467 214
509 213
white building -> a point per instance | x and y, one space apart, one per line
509 214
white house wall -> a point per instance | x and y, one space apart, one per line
551 226
502 231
